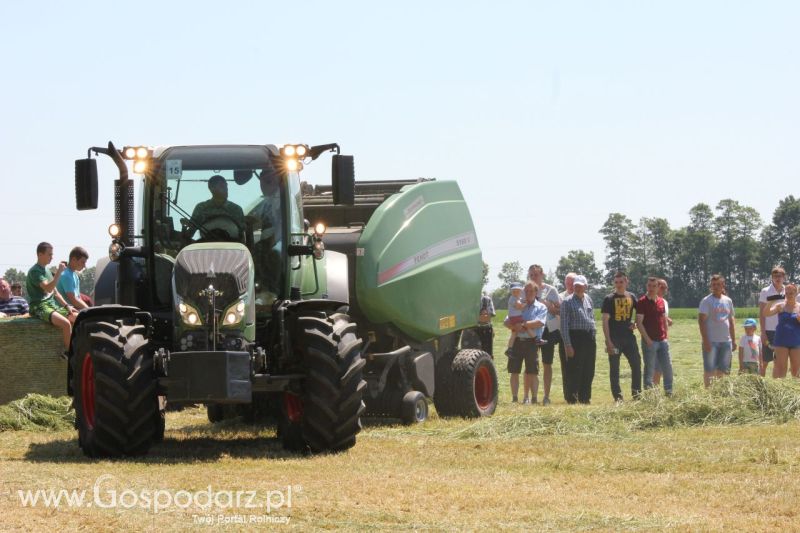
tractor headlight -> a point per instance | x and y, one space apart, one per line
189 314
114 230
115 250
319 249
140 166
234 313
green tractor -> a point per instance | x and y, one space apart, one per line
231 283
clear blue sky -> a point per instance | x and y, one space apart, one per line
550 114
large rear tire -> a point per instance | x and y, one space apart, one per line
466 385
332 401
114 382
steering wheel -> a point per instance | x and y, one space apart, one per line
218 227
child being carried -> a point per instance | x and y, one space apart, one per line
516 303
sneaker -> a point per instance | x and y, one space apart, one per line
546 401
514 400
534 402
526 401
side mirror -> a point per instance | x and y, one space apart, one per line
86 184
343 180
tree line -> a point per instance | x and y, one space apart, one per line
730 239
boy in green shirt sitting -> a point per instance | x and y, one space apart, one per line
45 302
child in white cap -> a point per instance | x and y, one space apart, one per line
750 359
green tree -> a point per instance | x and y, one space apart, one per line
617 231
736 253
485 273
780 241
641 257
652 252
696 255
500 297
580 262
509 273
87 280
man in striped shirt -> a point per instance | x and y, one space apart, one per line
11 305
578 333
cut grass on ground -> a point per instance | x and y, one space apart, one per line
727 458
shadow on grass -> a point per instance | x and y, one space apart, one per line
170 451
186 444
200 442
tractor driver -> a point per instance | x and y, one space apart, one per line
218 213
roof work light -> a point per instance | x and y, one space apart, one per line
293 155
137 152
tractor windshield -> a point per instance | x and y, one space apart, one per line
224 200
211 206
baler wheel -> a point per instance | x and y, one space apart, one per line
414 408
466 385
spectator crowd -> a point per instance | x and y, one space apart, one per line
53 295
541 319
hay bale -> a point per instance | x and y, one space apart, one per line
29 361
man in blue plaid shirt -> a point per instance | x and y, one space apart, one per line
578 332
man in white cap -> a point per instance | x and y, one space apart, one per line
578 333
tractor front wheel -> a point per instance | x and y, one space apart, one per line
331 405
114 382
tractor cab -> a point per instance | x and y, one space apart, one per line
232 196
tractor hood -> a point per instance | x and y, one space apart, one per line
226 266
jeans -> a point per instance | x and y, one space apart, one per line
630 350
659 351
719 358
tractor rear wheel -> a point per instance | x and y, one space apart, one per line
331 404
114 382
466 385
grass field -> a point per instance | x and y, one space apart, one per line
700 462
